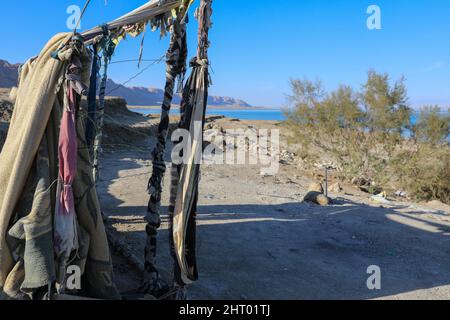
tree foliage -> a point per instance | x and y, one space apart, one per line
366 133
433 126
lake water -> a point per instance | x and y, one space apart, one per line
244 114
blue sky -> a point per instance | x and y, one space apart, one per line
258 45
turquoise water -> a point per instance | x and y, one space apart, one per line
243 114
253 114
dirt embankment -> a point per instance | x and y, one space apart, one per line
120 124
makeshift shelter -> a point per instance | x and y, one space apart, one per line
50 216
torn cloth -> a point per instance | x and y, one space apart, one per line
28 176
185 177
66 233
34 103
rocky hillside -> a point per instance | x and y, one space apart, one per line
8 74
135 96
5 117
141 96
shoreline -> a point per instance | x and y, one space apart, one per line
175 107
231 113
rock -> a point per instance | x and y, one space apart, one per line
9 74
323 200
316 187
316 195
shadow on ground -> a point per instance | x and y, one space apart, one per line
299 251
292 250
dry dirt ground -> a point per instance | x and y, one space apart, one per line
258 240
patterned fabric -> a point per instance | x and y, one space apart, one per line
185 177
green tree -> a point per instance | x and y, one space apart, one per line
334 126
386 105
432 126
306 96
343 108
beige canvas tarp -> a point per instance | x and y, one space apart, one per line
28 176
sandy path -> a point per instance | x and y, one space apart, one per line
256 239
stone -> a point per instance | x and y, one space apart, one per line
322 200
317 198
316 187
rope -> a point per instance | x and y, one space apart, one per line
81 16
92 97
135 60
136 75
108 48
175 66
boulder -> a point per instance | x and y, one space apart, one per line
316 187
316 195
322 200
317 198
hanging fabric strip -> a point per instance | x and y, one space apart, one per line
154 10
185 177
176 66
66 234
66 229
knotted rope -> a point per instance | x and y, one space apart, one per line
176 67
108 47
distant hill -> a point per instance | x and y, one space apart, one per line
135 96
141 96
8 74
